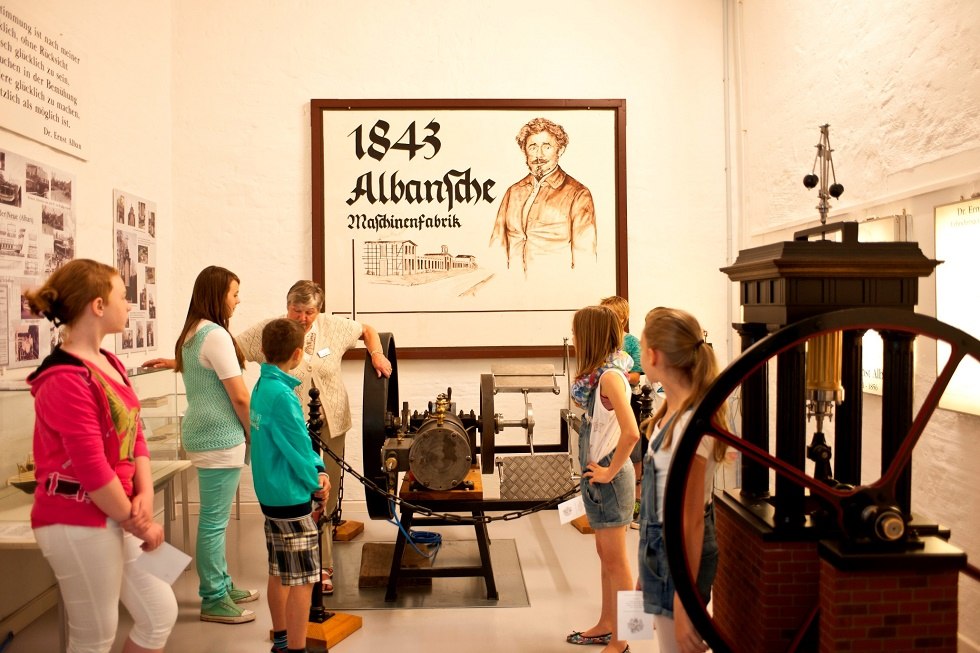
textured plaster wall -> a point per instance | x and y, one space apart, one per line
245 73
897 82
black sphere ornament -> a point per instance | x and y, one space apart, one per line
810 180
836 190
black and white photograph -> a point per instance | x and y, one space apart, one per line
27 345
151 274
60 188
25 306
126 262
143 254
141 224
52 218
11 188
38 180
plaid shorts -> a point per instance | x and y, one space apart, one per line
293 548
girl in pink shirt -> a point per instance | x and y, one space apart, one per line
93 506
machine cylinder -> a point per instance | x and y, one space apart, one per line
439 457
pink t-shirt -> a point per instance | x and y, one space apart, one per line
87 430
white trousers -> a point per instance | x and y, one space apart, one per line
94 568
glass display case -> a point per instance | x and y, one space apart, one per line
161 396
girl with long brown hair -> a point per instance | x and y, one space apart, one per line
215 433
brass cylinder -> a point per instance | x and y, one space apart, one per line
823 365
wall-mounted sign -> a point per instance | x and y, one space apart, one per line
42 83
478 226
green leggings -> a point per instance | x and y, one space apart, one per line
218 488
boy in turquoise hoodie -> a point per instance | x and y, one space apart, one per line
286 472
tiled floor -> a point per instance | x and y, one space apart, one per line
560 569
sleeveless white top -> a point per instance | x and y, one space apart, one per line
605 427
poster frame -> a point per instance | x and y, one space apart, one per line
321 160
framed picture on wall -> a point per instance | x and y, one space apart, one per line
471 228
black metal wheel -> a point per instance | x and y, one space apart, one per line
380 404
862 512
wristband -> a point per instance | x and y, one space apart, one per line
377 351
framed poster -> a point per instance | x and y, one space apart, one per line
957 240
471 228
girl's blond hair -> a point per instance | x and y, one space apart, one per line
676 335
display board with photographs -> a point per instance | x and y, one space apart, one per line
37 236
135 250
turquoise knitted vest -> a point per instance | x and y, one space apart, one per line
210 421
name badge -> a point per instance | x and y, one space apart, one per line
323 353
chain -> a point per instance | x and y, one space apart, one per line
449 517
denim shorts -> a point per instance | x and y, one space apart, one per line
658 586
610 504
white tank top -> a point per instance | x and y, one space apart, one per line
605 427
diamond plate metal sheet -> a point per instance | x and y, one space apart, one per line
538 476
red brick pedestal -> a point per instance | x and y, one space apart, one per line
766 587
899 603
770 585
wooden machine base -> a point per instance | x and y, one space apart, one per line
331 632
347 530
376 564
470 501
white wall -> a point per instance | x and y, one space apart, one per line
245 75
896 81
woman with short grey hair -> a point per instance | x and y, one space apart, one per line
328 337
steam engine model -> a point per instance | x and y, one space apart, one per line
434 447
438 447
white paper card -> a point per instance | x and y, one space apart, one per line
165 562
633 622
571 509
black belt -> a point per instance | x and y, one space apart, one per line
65 488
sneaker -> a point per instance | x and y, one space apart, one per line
224 611
243 596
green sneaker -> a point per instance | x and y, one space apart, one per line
243 596
224 611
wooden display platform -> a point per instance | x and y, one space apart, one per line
326 635
376 564
332 631
473 476
347 530
582 525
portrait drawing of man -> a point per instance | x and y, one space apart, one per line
548 212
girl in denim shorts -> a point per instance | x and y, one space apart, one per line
606 437
674 353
